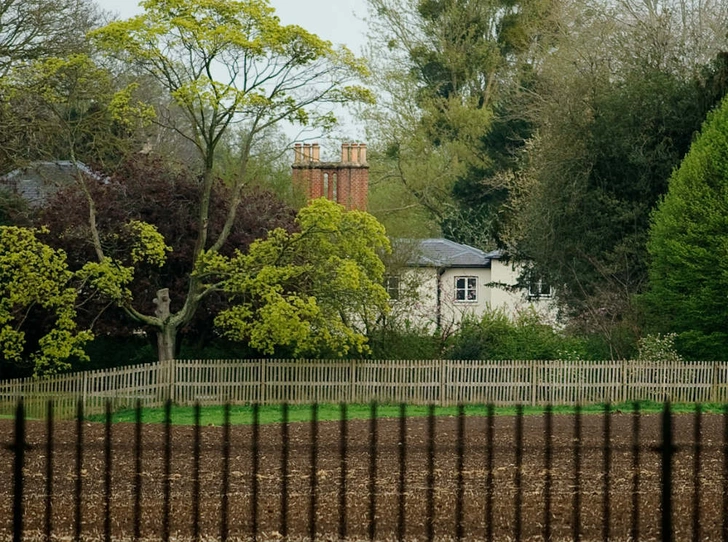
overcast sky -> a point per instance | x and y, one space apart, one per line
339 21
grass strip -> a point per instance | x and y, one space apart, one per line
271 414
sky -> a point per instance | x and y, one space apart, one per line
341 22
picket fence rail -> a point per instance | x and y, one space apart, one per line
442 382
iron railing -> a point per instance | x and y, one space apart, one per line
610 476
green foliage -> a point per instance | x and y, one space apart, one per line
222 60
315 291
449 72
659 348
68 109
12 208
615 110
35 283
404 343
495 336
688 244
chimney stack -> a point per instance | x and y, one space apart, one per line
346 182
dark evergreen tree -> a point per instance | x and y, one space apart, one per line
688 245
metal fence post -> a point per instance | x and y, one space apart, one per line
19 449
667 450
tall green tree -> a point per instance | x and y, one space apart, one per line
615 111
69 109
448 71
317 291
688 245
224 63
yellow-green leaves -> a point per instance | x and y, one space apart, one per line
111 278
108 277
78 109
149 245
35 283
225 61
313 292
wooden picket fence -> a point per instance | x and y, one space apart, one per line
443 382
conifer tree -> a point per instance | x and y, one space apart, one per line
688 246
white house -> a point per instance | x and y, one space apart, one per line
440 281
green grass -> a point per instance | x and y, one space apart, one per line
270 414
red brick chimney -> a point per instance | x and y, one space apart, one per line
345 182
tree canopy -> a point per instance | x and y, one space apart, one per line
223 63
37 304
317 291
688 244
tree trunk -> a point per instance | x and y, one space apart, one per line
167 332
166 339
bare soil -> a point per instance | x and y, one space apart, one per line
328 470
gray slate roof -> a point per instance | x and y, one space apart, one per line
38 181
446 253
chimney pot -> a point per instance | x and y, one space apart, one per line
315 152
297 154
362 153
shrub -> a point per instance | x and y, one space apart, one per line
496 336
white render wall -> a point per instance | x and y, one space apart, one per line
419 308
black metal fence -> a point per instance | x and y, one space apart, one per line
610 476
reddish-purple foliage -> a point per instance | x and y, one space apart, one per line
149 189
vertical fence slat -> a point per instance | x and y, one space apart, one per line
443 382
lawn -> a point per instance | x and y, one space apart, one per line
271 414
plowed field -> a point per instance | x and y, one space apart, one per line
388 465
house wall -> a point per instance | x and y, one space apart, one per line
418 303
513 302
452 310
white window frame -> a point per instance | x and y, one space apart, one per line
389 285
536 289
469 289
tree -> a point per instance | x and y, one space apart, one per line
68 109
449 73
223 63
35 29
687 244
615 109
150 189
317 291
37 304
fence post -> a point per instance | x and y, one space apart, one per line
442 397
172 380
623 384
534 382
352 390
261 387
714 384
84 391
